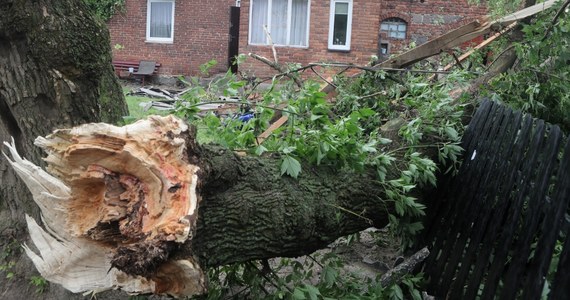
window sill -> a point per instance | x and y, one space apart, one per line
158 42
339 50
280 46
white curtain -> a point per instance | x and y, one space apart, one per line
161 19
299 22
258 21
284 31
279 21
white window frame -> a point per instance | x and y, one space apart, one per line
150 39
289 9
348 25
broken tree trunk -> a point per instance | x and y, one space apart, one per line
145 209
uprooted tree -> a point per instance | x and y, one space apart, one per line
144 207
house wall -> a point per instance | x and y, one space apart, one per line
201 33
425 18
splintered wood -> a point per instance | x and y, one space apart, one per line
115 202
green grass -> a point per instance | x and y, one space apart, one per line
136 112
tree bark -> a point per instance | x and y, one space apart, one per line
55 72
250 212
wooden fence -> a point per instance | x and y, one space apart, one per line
496 225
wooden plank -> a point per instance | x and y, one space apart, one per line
522 248
459 36
525 13
498 212
441 208
486 42
510 167
460 200
263 136
434 46
470 195
487 200
455 38
552 212
561 282
510 225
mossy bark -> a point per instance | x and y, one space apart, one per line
55 72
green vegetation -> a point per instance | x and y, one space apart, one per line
539 82
105 9
10 250
136 111
298 280
40 283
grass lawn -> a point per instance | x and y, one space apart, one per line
136 111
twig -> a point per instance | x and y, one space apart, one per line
270 40
242 102
277 67
395 275
555 19
372 95
499 56
368 220
320 76
457 61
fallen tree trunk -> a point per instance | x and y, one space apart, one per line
120 207
250 212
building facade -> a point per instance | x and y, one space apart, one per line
182 35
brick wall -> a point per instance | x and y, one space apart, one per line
426 19
200 34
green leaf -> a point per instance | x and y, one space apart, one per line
370 147
259 150
288 150
416 294
397 293
315 117
366 112
329 275
298 294
290 166
452 133
384 141
313 292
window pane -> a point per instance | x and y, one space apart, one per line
258 21
340 25
299 14
341 9
402 28
279 22
384 26
161 19
393 27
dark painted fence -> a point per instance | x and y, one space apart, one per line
495 225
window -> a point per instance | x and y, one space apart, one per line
160 21
286 20
395 27
340 24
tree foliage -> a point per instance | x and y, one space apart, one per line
539 81
105 9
